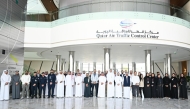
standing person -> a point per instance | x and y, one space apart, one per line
38 84
102 82
174 87
183 87
159 86
73 76
83 84
69 83
43 82
127 86
110 83
5 81
94 82
122 74
60 84
46 75
25 79
87 82
34 82
147 88
135 82
78 80
166 86
16 85
153 86
51 84
118 85
141 85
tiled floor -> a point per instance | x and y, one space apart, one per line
95 103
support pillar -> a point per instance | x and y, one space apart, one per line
147 61
133 67
63 65
94 65
152 67
168 64
106 59
114 66
71 61
81 67
76 66
58 67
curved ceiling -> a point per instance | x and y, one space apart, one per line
121 53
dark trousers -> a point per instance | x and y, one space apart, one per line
44 90
141 90
135 90
38 88
34 91
51 89
96 86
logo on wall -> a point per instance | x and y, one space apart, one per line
126 32
126 23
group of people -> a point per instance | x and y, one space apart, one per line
112 84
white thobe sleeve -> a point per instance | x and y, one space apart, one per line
63 77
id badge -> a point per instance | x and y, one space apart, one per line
148 82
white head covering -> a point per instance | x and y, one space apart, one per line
5 76
4 72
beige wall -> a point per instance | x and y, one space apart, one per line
161 65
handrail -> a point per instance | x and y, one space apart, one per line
159 69
172 10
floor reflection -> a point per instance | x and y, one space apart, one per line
95 103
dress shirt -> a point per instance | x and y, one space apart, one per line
135 80
25 79
94 78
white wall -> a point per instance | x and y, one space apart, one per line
85 32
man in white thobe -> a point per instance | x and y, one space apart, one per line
5 81
110 83
127 86
118 85
60 84
69 85
78 89
102 83
83 85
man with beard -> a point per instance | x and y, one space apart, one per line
87 82
51 84
16 85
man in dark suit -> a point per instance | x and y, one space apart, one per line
51 83
38 84
42 81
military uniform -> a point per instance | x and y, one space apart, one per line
51 84
42 84
34 82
